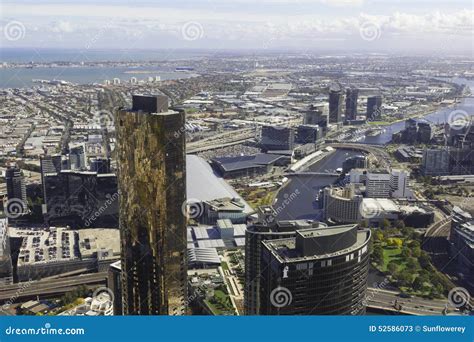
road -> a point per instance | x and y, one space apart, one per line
44 288
221 140
391 301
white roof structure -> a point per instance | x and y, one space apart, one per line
203 255
204 185
239 230
239 242
216 243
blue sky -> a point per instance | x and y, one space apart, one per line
344 25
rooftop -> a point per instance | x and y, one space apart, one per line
244 162
203 184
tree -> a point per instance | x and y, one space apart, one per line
408 232
395 242
412 264
418 283
378 235
377 255
400 224
404 278
424 260
385 224
392 267
416 252
406 252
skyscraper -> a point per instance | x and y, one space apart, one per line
266 228
335 106
352 95
277 138
319 271
374 107
435 162
16 188
152 181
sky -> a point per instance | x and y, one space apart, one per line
417 26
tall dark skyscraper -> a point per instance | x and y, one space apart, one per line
352 95
374 107
152 181
319 271
335 106
266 228
16 188
277 138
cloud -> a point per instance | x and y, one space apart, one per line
237 25
62 27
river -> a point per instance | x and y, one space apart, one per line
304 206
438 117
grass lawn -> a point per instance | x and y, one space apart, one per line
221 305
224 266
392 254
258 197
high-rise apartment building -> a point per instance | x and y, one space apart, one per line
277 138
335 106
352 95
399 183
318 271
378 184
16 188
342 205
152 181
374 107
435 162
267 227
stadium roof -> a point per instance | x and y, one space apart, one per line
244 162
204 185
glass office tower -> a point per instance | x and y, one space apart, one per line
151 171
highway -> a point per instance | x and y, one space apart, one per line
221 140
50 287
391 301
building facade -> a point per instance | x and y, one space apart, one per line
152 181
342 205
277 138
374 107
267 227
435 162
16 188
319 271
352 95
335 106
